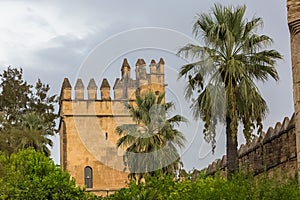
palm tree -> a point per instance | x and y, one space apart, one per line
35 129
31 134
152 140
222 75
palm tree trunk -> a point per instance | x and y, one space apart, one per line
231 149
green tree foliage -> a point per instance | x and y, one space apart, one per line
27 113
239 187
221 79
31 175
152 140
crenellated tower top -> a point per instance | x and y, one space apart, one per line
92 90
79 90
293 8
66 84
92 85
125 69
66 90
105 90
124 87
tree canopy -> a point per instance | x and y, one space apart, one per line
27 113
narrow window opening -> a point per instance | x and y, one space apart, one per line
106 136
88 177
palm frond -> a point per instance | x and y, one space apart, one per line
151 133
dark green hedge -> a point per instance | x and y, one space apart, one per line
239 187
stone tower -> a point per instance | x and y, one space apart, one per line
87 125
293 8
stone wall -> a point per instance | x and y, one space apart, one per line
293 11
274 151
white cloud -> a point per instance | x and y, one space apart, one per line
29 27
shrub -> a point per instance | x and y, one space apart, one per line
31 175
206 187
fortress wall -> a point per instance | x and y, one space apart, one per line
273 152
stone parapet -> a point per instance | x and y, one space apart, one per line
274 150
293 8
124 87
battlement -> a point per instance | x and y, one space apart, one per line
274 149
124 87
293 8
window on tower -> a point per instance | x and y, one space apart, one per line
88 177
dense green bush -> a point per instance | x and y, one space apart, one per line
31 175
239 187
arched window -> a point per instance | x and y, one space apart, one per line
88 177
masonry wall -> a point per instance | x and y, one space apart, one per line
293 11
273 152
89 140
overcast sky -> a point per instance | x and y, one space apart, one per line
56 39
